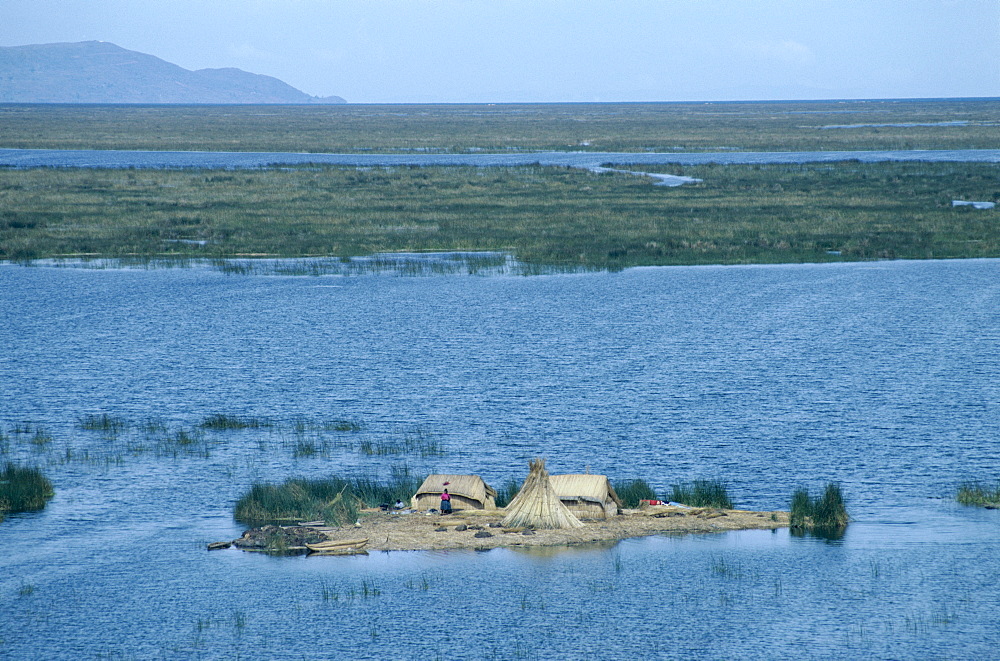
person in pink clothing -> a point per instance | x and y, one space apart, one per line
445 502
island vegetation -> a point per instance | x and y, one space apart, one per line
334 500
338 516
337 500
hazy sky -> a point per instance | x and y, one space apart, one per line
405 51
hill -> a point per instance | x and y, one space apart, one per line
101 72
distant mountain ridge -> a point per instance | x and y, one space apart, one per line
101 72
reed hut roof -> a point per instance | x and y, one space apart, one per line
595 488
470 486
537 504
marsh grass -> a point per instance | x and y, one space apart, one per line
980 494
334 500
632 491
298 499
160 440
306 448
702 493
328 593
728 568
524 220
38 437
531 601
345 425
109 424
922 623
239 619
422 585
637 127
367 589
223 421
826 512
23 489
507 491
110 440
408 264
302 425
305 445
41 438
416 442
401 485
153 426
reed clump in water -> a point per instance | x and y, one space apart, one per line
977 493
827 512
107 423
418 443
702 493
23 489
221 421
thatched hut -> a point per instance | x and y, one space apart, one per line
537 505
467 492
587 496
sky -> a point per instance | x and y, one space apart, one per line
504 51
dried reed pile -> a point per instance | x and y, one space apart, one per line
537 504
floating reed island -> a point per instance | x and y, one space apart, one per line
547 511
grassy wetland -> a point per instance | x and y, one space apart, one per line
631 127
546 218
543 216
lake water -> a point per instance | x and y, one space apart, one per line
84 158
881 376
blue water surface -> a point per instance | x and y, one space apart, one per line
111 158
881 376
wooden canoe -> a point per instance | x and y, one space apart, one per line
337 545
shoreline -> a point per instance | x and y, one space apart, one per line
481 530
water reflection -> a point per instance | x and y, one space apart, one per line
83 158
834 534
565 552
